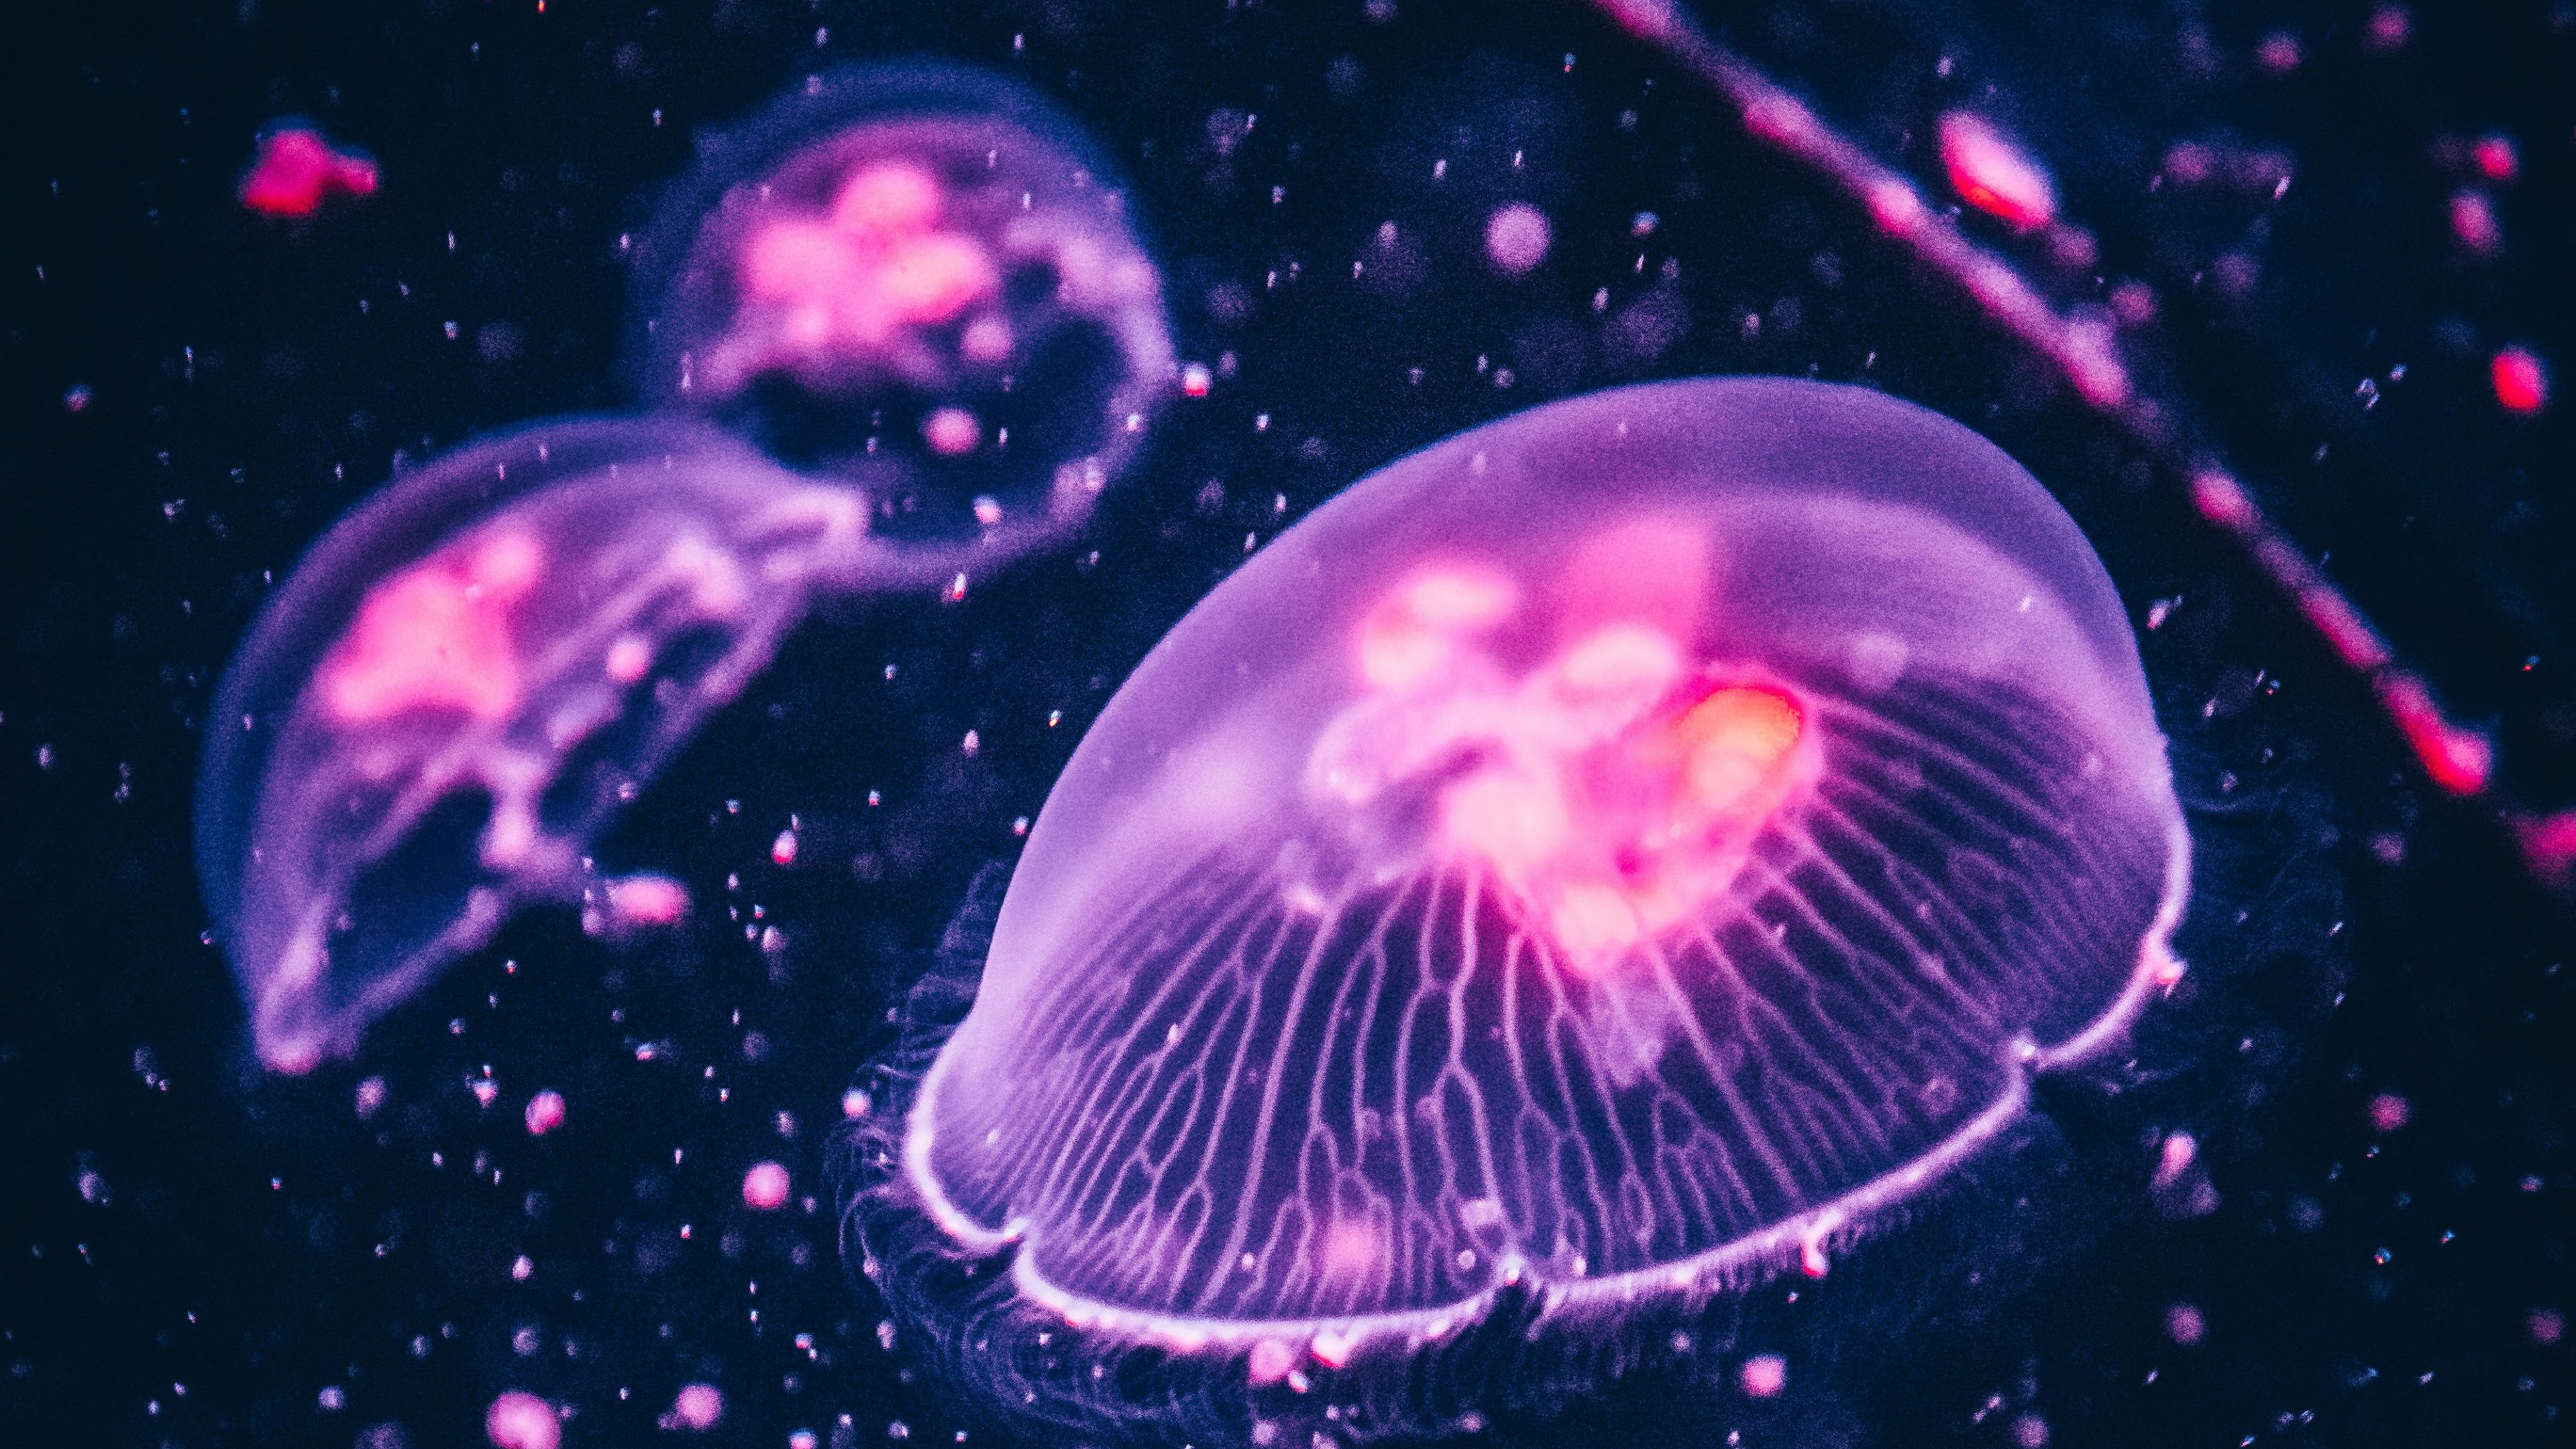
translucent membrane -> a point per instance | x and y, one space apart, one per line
913 301
1621 850
439 709
919 278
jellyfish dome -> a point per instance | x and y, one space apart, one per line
441 706
919 278
1615 853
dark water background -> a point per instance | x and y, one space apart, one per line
193 1254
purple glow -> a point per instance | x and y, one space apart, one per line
1768 759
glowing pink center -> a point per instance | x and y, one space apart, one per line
876 263
1614 789
436 636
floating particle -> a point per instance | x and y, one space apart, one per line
1994 175
2496 158
2184 1324
765 1186
2389 1112
520 1420
2544 1326
2474 225
545 1112
1517 238
2175 1158
952 432
1764 1375
296 169
697 1407
2521 380
647 899
2389 29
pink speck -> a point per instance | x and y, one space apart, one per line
519 1420
2545 1326
1516 238
76 398
2030 1431
697 1407
952 432
545 1112
782 851
1195 380
765 1187
2134 303
1333 1350
2184 1325
2521 380
371 1096
1764 1375
986 339
1270 1361
2278 52
2473 223
2190 163
1994 175
2390 27
629 658
648 900
2073 248
2180 1150
2389 1112
296 170
2496 158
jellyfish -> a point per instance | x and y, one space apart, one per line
1607 860
441 707
908 332
922 279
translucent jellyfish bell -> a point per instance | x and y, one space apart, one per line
1609 856
442 704
922 279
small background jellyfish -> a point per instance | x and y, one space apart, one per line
447 700
1607 860
458 686
921 278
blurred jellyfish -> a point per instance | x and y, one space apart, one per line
919 278
1605 860
440 708
913 299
